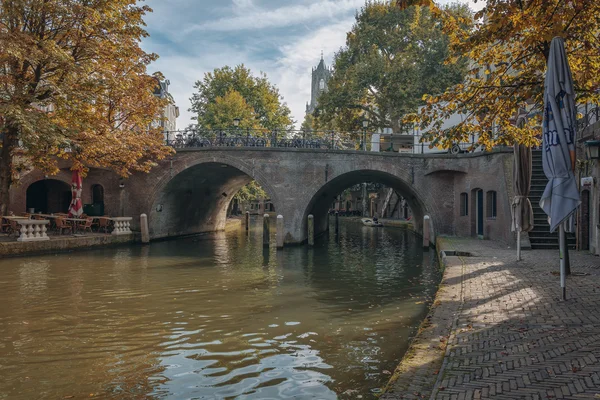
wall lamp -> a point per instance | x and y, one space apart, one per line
592 149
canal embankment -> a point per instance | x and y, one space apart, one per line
59 244
10 247
499 328
420 366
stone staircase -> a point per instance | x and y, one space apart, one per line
540 237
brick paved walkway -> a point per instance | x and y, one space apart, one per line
511 336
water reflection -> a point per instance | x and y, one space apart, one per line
214 317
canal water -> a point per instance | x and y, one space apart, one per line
214 317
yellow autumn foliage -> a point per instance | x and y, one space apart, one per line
508 49
74 86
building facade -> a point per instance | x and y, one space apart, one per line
171 112
588 174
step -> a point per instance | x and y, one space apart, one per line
548 246
547 236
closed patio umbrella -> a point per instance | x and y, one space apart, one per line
522 213
561 196
76 207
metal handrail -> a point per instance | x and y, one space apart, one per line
263 138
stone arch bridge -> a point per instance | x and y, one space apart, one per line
190 193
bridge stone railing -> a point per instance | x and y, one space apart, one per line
122 226
33 230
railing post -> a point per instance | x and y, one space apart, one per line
144 227
332 140
280 232
247 137
311 230
266 230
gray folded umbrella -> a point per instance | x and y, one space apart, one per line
522 213
561 196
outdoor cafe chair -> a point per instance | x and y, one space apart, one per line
61 225
104 224
87 225
14 229
4 225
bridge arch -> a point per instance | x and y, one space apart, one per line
194 196
323 197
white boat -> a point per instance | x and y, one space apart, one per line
370 222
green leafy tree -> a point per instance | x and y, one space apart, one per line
225 108
251 192
392 57
308 124
228 93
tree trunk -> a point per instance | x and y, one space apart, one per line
9 142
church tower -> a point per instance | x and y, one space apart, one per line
320 77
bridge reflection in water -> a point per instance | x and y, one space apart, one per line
216 316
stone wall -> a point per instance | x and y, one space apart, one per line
593 170
113 194
489 173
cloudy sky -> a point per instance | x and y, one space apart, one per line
283 38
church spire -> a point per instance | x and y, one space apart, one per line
320 77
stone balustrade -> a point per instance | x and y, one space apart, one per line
122 226
32 230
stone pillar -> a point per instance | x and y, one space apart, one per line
266 230
144 228
247 220
426 233
280 232
311 230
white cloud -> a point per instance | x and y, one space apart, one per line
293 70
287 60
258 18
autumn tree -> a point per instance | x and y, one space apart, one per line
391 58
508 48
74 86
229 93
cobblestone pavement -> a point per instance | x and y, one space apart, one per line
512 337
